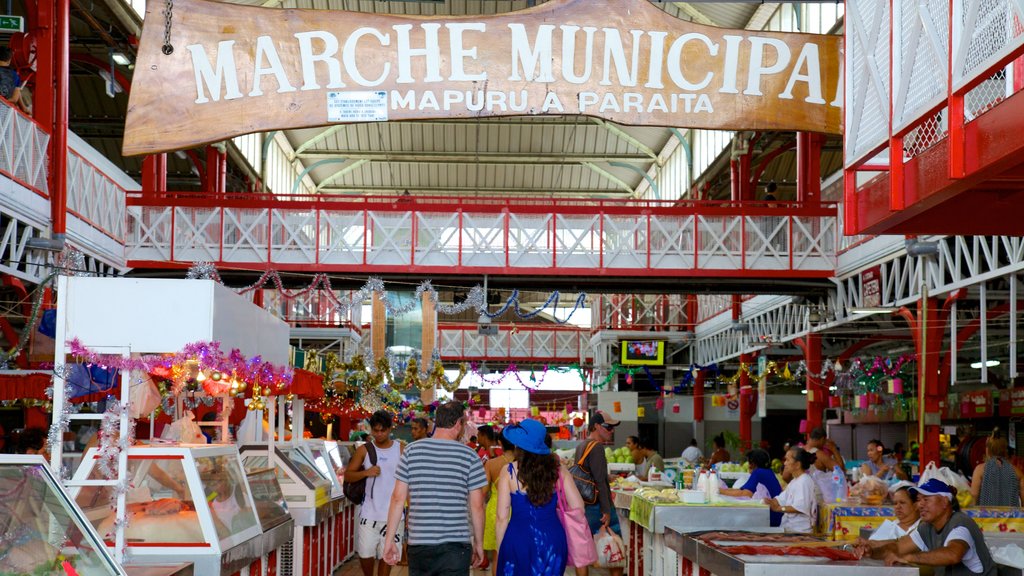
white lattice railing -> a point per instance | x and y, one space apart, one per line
642 311
95 197
519 342
920 58
867 77
23 149
984 33
430 234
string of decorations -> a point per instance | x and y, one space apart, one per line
194 362
475 299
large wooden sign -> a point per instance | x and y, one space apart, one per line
238 69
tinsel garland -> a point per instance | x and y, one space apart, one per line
476 299
111 441
60 421
193 358
533 381
30 326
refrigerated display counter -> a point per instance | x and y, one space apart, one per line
318 543
41 530
184 503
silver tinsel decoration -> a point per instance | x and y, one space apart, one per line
203 270
476 299
71 262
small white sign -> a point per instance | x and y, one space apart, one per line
357 106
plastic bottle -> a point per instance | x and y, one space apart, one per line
838 483
702 481
713 487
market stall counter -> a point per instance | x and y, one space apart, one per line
318 547
645 520
184 503
737 553
41 530
275 521
844 520
324 455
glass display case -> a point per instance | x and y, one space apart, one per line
318 450
41 531
303 485
188 503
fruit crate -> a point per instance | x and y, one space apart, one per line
617 468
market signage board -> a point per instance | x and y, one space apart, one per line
871 287
241 69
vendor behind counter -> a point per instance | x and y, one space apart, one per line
946 538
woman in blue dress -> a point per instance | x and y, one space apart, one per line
530 537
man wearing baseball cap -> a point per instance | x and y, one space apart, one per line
601 431
946 538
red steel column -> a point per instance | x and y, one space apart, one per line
815 388
53 48
808 168
746 406
212 171
735 187
698 396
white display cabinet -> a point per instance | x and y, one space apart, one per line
275 520
319 452
324 526
41 528
185 503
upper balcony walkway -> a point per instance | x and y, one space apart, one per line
597 243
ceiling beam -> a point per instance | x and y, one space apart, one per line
696 15
345 170
311 141
412 157
474 190
623 135
609 176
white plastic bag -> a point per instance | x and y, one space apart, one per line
143 394
949 477
611 552
185 430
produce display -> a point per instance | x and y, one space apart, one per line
620 483
659 495
620 455
733 467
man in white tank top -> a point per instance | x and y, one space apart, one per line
380 483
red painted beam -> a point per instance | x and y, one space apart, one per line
938 204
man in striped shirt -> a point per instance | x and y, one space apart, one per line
439 476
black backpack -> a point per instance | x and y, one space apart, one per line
356 491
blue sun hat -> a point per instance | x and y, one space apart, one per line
528 435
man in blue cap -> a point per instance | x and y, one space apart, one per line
947 538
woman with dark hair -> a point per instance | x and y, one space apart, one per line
527 491
760 475
720 454
946 538
879 463
493 468
996 482
904 503
798 503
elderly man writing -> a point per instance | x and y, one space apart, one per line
947 538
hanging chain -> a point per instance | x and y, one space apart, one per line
168 16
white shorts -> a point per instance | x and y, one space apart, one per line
370 538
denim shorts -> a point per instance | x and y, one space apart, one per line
445 559
594 519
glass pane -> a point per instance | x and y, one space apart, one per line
225 491
305 467
38 530
266 492
159 504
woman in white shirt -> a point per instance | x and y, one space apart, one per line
799 501
904 503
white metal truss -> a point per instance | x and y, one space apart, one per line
961 262
920 47
95 198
